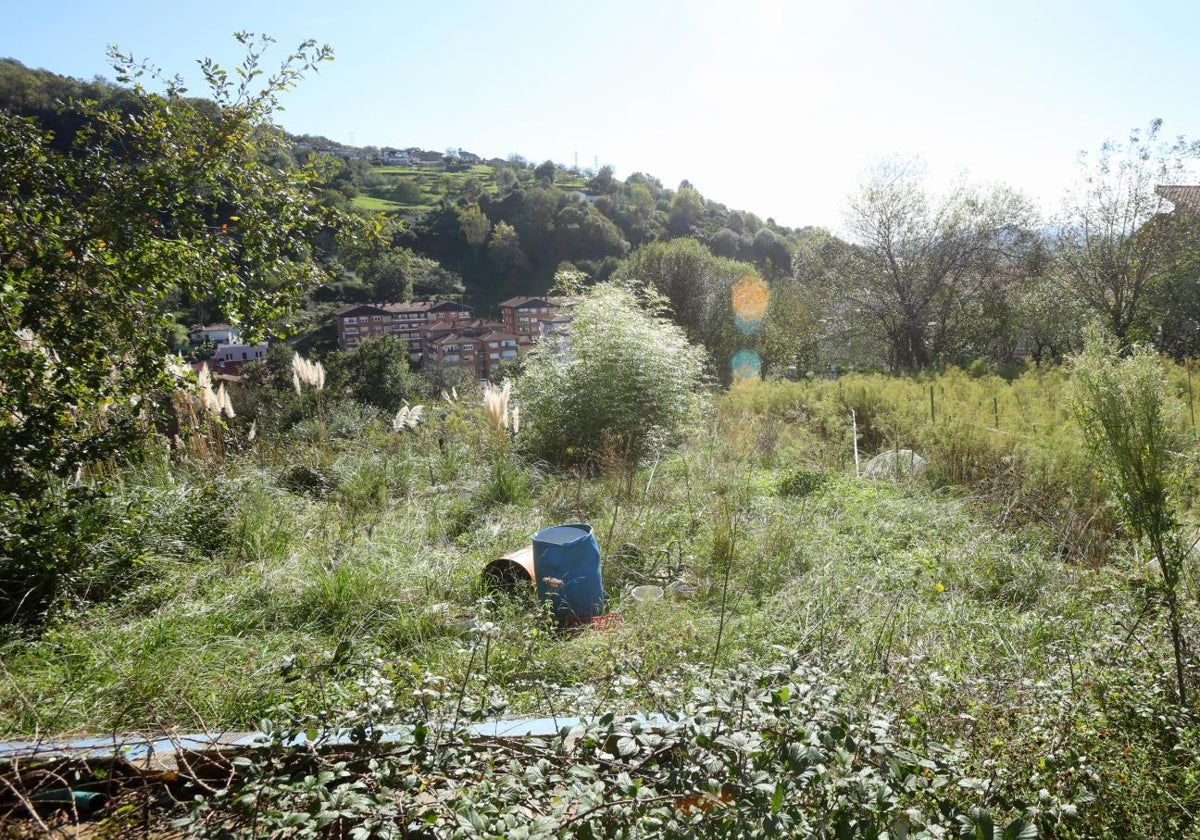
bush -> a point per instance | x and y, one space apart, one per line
623 381
801 482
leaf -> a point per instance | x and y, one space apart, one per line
777 799
1020 829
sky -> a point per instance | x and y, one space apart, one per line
779 107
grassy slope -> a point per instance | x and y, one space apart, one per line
391 560
435 185
983 619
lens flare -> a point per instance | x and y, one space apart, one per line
746 365
751 297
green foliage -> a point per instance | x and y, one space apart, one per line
801 482
508 482
752 753
698 286
169 198
624 381
925 267
377 373
1133 434
301 478
1117 245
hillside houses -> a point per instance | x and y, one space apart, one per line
229 352
442 332
357 322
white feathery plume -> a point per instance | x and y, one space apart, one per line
408 417
224 403
307 373
495 403
210 401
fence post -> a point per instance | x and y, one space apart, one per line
854 428
1191 399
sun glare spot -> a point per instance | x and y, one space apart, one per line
751 296
746 365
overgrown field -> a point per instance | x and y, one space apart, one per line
988 608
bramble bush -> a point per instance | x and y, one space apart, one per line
752 752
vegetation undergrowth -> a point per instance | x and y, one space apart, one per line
975 616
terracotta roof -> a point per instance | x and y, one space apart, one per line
353 307
542 300
522 302
1183 196
497 336
411 306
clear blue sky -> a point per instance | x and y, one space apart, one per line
775 107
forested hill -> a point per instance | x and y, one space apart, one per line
489 229
506 226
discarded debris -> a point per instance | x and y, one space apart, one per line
894 464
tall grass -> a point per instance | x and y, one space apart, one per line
959 599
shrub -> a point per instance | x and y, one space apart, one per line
1133 435
313 481
624 379
800 482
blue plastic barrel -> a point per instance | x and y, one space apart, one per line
566 560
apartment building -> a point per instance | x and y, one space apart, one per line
359 321
478 344
530 318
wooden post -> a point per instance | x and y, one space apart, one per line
1191 399
932 413
854 428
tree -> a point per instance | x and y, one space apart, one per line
686 206
475 225
842 336
504 251
623 380
697 287
544 173
1114 247
377 373
1049 324
603 181
170 198
923 262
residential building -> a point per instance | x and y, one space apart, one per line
216 333
229 358
523 316
479 344
1185 197
359 321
